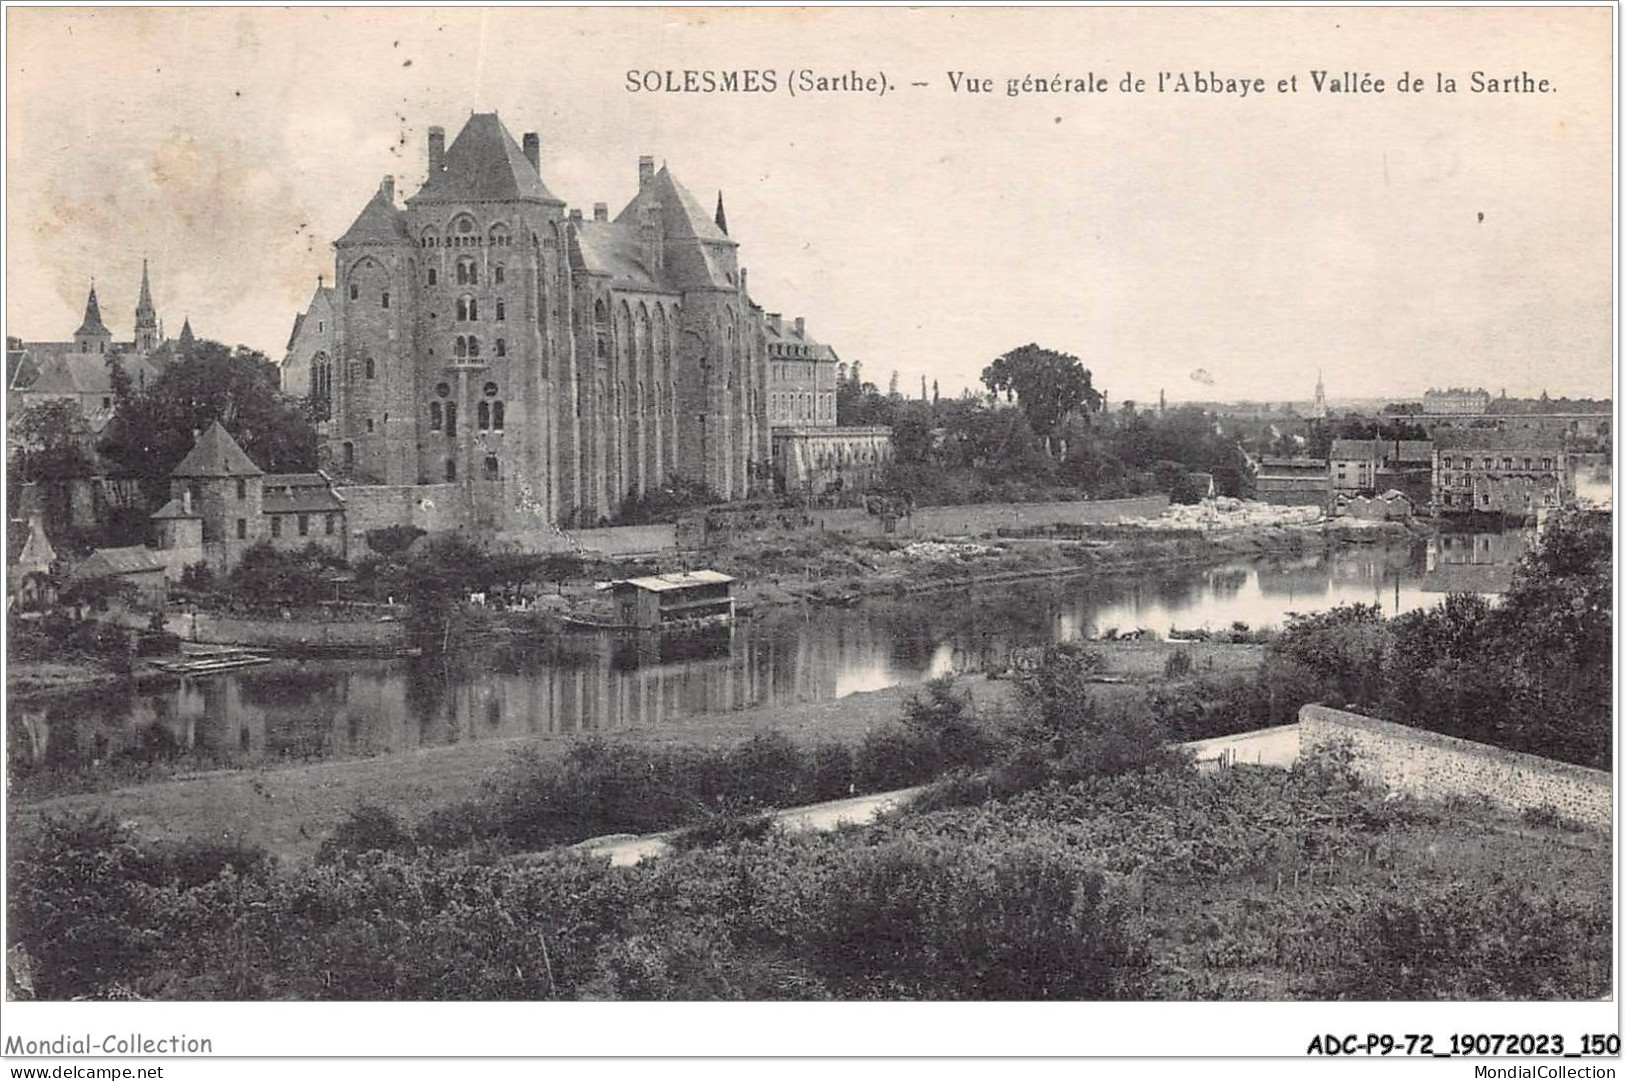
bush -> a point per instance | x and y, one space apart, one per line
1177 666
369 828
392 540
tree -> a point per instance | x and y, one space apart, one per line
48 442
153 429
1047 385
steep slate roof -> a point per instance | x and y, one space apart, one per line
380 222
300 499
681 213
286 492
1494 439
175 509
1356 448
21 371
86 373
92 325
785 333
616 250
132 560
216 454
37 554
484 163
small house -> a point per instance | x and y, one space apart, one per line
672 601
142 568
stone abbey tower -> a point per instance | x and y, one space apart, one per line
548 364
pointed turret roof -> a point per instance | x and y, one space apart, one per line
216 454
92 327
380 222
145 315
682 213
722 215
187 338
37 554
484 163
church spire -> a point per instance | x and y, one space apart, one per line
186 332
92 335
147 334
722 216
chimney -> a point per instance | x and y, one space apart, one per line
744 280
575 214
533 150
801 327
646 171
600 212
387 190
777 321
653 237
437 150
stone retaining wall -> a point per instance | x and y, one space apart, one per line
1424 763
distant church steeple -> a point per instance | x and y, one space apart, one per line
186 333
1320 394
722 216
147 333
92 335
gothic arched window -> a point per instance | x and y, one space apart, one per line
496 415
499 274
461 348
473 346
502 347
502 311
484 414
434 416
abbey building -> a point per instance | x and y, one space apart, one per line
547 364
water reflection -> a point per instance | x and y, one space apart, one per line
585 683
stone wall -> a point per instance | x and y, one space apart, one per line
433 508
295 634
1423 763
621 540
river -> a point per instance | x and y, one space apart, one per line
314 710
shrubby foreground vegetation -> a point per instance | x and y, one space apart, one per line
1063 851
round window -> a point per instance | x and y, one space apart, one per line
443 390
490 390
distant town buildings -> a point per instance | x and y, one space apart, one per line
1456 400
77 370
801 375
1293 482
1491 471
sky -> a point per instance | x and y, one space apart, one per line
1211 246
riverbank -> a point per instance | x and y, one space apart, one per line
33 680
289 809
843 569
